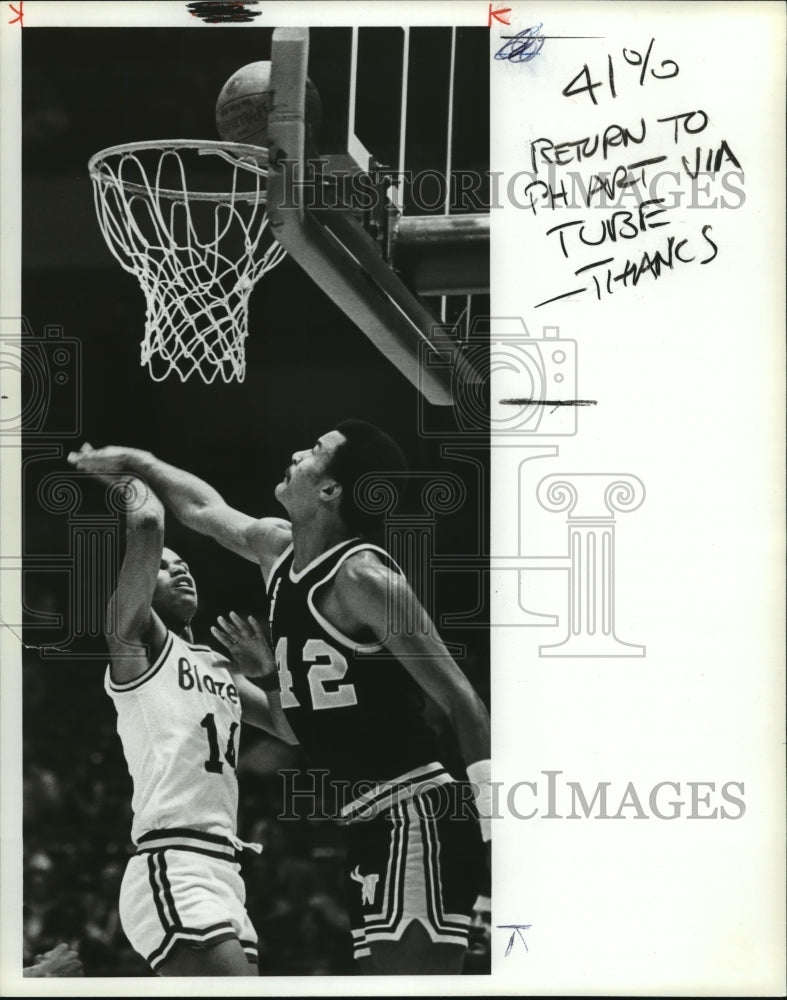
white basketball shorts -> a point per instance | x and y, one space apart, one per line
173 895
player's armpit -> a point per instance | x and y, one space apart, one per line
209 514
266 538
360 595
260 540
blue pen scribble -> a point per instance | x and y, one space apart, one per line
516 932
524 46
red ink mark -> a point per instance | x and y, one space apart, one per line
20 14
498 15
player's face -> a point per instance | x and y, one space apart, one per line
175 596
307 474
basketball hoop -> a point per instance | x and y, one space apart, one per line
197 252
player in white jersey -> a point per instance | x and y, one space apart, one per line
412 869
182 900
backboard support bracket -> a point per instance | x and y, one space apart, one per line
334 249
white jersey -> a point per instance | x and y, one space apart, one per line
179 723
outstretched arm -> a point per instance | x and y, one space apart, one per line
193 502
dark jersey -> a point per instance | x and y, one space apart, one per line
354 708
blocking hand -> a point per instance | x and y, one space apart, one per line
246 644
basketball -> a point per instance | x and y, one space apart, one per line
244 103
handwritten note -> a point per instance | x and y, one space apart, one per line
639 215
606 193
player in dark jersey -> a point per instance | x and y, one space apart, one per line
178 714
350 686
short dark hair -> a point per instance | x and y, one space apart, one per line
366 450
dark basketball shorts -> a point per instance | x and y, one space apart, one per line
421 859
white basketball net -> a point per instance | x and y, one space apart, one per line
197 253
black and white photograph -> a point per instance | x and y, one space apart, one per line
392 507
259 521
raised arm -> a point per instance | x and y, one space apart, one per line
193 502
134 633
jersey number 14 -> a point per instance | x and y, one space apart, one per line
326 666
213 764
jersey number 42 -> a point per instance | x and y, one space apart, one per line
326 666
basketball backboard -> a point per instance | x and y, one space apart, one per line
388 220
